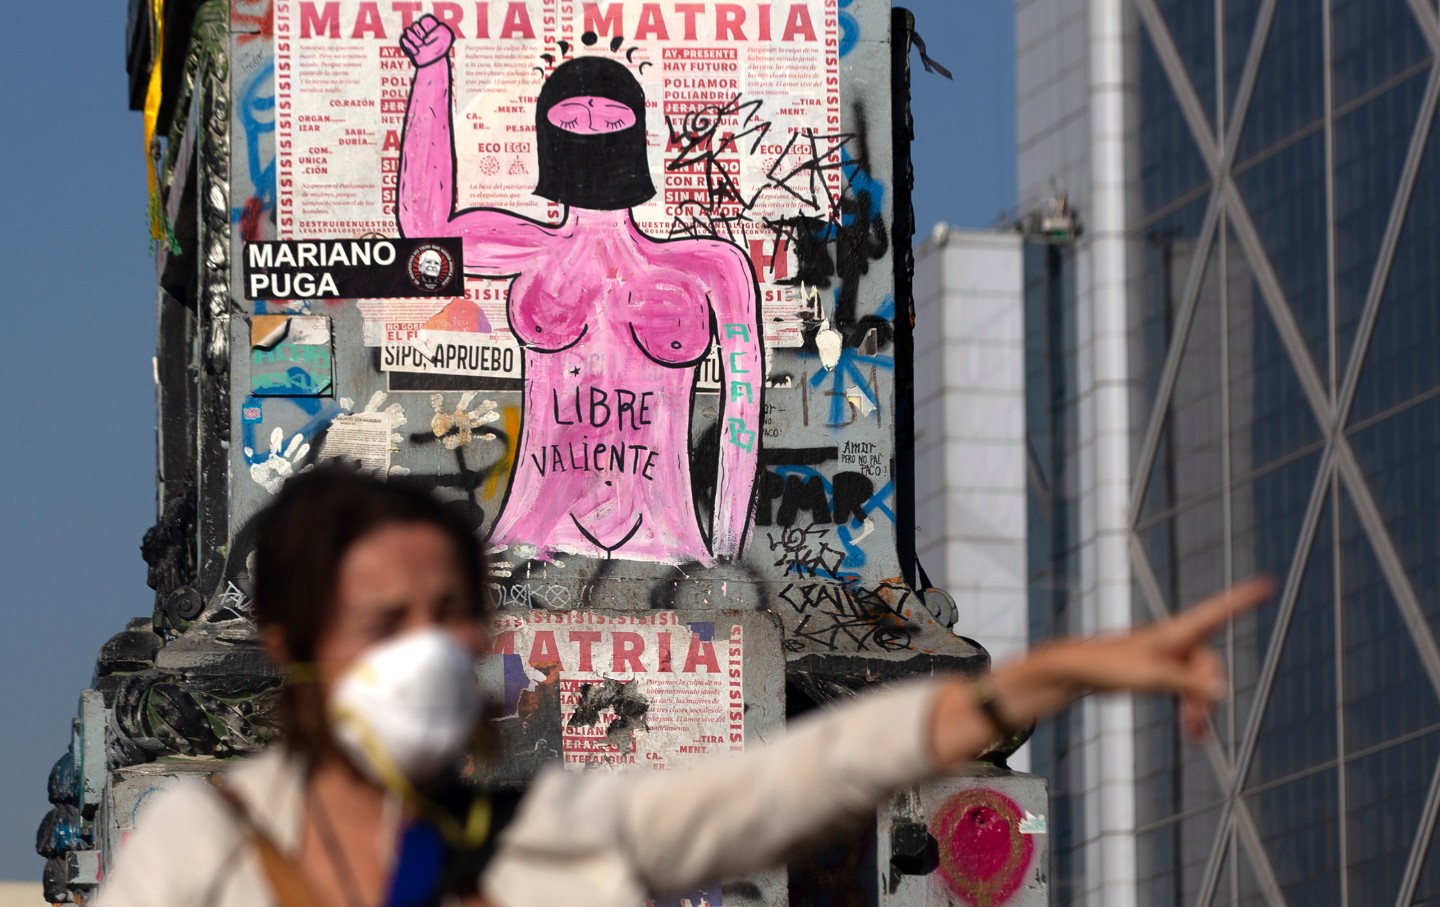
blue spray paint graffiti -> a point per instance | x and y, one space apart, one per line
879 502
849 29
850 533
321 411
849 372
862 185
257 117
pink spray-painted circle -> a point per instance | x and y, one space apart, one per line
983 856
591 115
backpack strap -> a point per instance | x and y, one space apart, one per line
459 874
289 883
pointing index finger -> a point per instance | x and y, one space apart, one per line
1200 621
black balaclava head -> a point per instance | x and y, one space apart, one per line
606 171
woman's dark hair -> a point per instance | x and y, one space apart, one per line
300 540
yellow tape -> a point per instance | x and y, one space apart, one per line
159 227
303 672
477 823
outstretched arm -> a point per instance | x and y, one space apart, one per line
732 817
734 298
496 242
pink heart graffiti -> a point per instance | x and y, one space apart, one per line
983 855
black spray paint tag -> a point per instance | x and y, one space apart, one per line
376 268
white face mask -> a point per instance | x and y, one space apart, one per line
406 706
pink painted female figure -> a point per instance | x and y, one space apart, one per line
613 323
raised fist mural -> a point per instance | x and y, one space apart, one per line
613 323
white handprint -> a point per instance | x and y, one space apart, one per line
272 471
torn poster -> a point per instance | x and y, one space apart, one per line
643 690
290 356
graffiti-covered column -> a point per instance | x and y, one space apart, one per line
628 284
625 283
176 690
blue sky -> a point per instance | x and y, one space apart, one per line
78 284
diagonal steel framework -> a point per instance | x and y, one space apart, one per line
1174 66
1380 278
1219 762
1174 356
1329 405
1217 160
1416 861
1429 18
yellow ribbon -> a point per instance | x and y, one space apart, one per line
159 224
477 823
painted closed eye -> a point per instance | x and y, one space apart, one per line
591 115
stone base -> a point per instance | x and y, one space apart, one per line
129 789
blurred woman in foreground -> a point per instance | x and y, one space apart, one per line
371 599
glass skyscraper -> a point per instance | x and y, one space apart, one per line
1235 370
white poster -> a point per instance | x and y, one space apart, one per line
361 437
